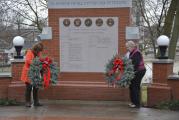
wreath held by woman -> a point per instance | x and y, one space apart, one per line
119 71
43 72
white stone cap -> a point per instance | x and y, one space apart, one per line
17 60
173 77
162 61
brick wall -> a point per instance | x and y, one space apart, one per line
162 89
173 82
97 89
4 83
52 48
161 71
16 88
17 69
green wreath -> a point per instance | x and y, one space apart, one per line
36 71
126 72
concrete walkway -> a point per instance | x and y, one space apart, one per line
84 110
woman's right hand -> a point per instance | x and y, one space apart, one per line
110 72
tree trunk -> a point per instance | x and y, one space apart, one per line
175 35
167 29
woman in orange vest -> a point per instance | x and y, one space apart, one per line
30 55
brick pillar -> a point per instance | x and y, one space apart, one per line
16 87
159 90
4 83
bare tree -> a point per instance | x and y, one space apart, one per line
153 13
34 12
167 29
5 25
4 16
21 17
171 27
175 32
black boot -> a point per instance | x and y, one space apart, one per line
35 97
28 95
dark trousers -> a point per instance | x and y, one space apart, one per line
135 87
28 94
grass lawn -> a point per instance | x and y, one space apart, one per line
144 95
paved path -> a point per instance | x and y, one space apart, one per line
84 110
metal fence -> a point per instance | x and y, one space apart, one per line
5 65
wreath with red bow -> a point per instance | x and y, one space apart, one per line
43 72
119 71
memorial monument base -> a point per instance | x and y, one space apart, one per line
71 86
72 90
79 90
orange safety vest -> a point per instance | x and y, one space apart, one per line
28 60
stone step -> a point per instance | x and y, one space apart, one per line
83 83
84 90
73 90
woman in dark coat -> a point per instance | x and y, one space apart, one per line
140 70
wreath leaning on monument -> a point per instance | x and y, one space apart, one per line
119 71
43 72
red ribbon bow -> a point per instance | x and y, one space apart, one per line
46 70
117 65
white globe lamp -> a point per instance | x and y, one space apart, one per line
18 43
163 42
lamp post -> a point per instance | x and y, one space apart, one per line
18 43
163 42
